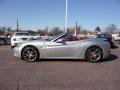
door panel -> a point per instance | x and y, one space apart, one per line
62 51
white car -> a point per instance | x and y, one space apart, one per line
36 36
117 37
20 37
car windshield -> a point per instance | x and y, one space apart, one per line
101 36
50 39
104 36
22 34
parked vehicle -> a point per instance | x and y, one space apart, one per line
36 36
92 50
4 41
117 38
106 37
20 37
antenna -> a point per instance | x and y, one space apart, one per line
76 27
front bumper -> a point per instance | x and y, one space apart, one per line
15 43
17 52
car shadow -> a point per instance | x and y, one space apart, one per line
58 59
112 57
114 47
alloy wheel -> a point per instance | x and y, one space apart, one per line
30 54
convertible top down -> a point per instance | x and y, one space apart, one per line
92 50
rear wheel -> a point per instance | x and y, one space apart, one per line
30 54
94 54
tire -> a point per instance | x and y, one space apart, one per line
94 54
30 54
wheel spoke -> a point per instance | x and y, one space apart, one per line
30 54
94 54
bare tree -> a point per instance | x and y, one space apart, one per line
111 28
78 29
31 32
84 32
46 30
4 28
55 30
40 32
0 28
71 30
97 30
9 29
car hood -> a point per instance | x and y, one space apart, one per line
38 43
34 42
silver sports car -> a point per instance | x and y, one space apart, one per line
92 50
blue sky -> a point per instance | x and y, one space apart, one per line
34 14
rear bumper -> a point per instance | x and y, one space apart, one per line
17 52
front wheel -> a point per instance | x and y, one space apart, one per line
94 54
30 54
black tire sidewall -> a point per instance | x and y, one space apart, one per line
94 47
28 59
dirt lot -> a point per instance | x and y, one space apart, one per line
16 74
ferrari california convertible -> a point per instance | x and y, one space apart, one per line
92 50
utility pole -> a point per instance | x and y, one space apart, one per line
76 27
17 26
66 16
